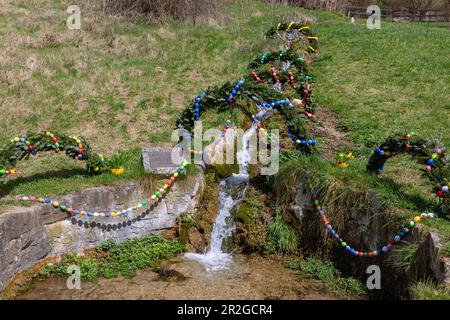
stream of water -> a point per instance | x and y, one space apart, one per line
231 193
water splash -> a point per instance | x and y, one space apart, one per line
231 193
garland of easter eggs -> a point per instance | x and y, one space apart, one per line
433 159
78 217
24 147
403 232
275 76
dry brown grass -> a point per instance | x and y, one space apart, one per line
187 11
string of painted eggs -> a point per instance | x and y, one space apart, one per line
359 253
91 213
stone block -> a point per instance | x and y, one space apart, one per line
162 161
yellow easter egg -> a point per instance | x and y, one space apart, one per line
416 219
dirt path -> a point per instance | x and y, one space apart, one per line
251 277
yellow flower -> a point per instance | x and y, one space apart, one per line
117 171
343 164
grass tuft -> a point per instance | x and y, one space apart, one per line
427 290
281 238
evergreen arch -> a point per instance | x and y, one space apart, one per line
25 147
429 154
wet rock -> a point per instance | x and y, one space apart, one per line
167 272
196 240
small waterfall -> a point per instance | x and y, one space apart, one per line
231 193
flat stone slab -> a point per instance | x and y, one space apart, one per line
163 161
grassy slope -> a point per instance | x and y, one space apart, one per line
123 84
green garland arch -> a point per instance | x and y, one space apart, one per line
20 148
258 85
432 157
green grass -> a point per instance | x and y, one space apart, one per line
327 273
380 81
110 259
427 290
445 249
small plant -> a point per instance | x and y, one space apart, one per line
281 238
116 163
427 290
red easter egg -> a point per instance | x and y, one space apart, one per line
440 194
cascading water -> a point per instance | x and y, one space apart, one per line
231 193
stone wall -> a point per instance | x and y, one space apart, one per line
29 234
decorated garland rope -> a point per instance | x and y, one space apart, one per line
360 253
72 212
279 86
